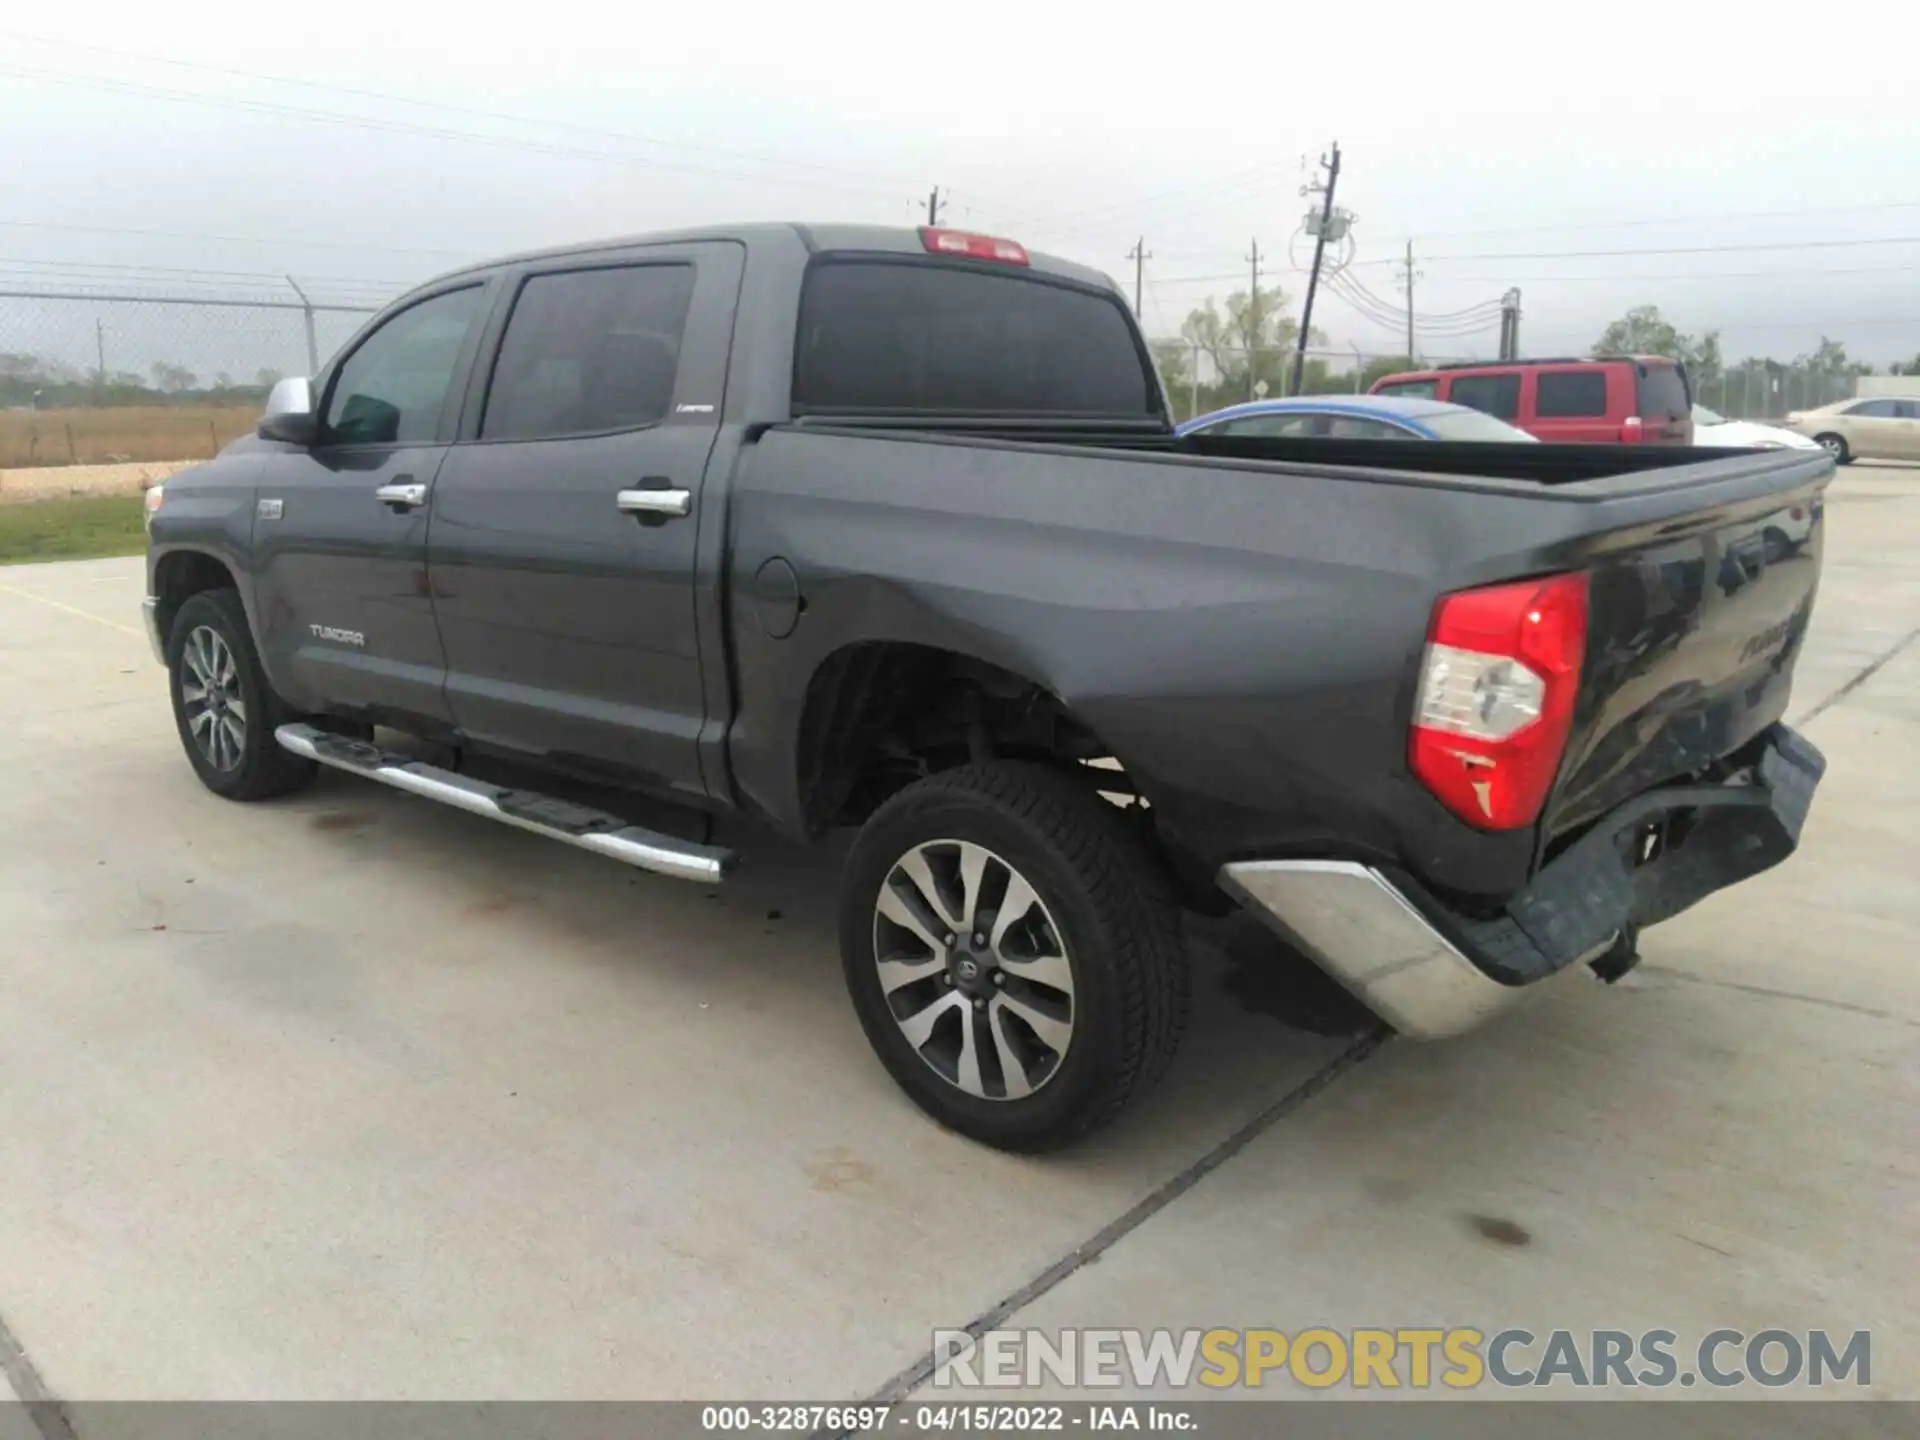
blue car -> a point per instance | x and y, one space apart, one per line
1359 417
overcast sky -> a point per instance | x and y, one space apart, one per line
1525 145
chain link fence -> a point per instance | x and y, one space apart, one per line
1771 392
89 379
101 378
1201 379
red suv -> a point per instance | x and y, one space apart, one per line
1626 400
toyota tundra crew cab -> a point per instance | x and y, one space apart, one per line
842 527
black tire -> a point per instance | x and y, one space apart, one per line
1112 906
1836 446
254 767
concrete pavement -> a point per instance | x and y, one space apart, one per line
349 1096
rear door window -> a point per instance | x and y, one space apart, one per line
1495 395
880 336
1570 394
1355 427
589 351
1663 393
1412 389
1267 425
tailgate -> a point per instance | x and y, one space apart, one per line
1694 627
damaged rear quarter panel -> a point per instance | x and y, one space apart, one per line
1243 639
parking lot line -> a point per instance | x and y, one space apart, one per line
916 1375
70 609
1866 673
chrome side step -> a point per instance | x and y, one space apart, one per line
562 820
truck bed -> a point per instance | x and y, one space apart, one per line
1273 596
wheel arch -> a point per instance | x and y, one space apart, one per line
181 574
876 714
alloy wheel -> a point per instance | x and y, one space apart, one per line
974 969
210 698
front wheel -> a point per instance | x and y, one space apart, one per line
1836 446
222 705
1013 952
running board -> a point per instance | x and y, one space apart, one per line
578 825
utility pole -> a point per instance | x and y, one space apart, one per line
1510 325
313 346
1253 322
1332 167
1139 255
934 206
1407 281
100 353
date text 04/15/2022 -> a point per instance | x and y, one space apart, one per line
976 1418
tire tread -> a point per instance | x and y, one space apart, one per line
268 771
1123 882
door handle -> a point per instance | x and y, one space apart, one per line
401 497
666 504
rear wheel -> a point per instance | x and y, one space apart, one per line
1013 953
1836 446
222 705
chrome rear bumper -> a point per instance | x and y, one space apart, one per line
1359 925
1352 923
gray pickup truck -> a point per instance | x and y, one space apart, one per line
841 527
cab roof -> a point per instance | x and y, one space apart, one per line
817 239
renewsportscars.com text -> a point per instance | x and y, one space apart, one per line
1456 1358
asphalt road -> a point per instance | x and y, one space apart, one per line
350 1096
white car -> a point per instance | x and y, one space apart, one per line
1710 428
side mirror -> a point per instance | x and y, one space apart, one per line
289 416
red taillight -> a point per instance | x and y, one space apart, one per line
1497 686
974 247
1630 431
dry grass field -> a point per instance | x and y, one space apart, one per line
115 434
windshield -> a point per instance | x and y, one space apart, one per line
1704 416
1465 424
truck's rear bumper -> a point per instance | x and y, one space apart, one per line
1430 972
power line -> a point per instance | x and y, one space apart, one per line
232 302
196 271
1663 220
1380 313
1822 323
1237 178
1387 317
1795 274
401 127
287 244
1356 286
1668 250
440 105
